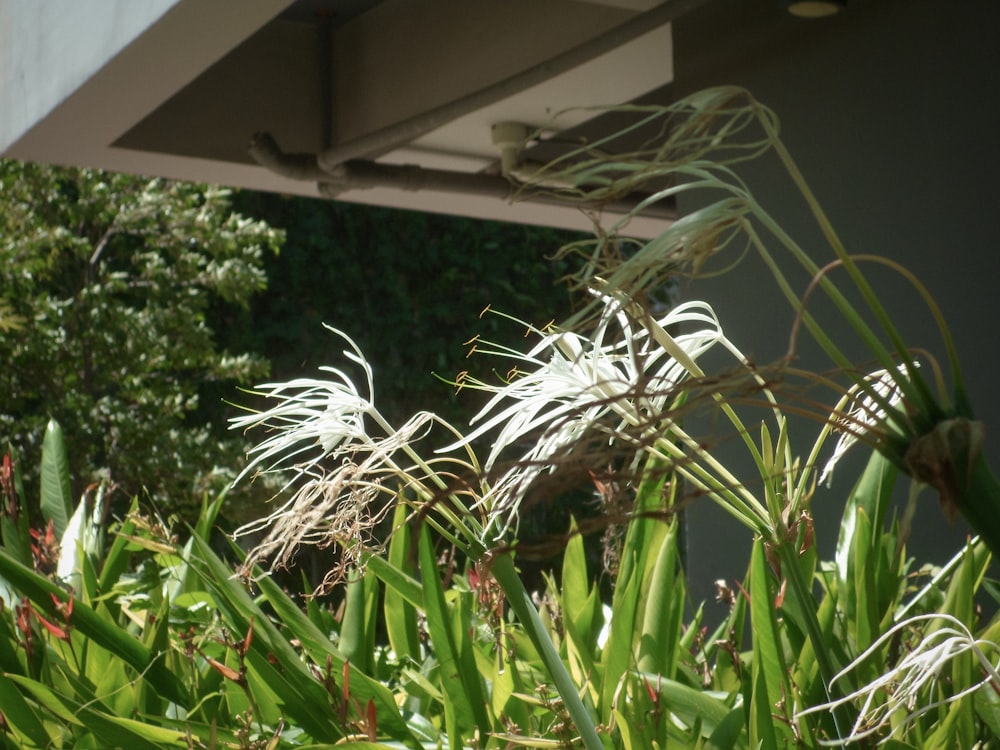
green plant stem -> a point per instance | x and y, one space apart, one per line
980 503
792 571
502 567
912 386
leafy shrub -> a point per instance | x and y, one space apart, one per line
108 284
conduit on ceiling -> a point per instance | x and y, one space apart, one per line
364 174
349 166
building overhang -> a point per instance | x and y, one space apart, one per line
178 89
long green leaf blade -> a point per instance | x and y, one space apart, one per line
21 717
15 533
661 626
465 704
768 672
112 731
56 500
100 629
401 615
273 645
357 636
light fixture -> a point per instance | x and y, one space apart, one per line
815 8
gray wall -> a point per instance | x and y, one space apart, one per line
892 111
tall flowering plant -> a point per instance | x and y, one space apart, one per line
614 384
350 467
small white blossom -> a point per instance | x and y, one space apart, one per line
907 687
863 411
569 385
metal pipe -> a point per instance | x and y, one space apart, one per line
359 174
372 145
302 166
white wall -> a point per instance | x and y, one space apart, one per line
48 50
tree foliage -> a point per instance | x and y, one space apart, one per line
109 285
130 313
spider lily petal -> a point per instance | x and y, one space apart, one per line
867 411
312 419
344 503
620 380
907 686
320 432
584 379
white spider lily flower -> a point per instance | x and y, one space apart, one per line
569 384
343 503
313 418
908 686
866 413
320 435
584 379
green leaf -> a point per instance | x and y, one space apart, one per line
625 727
987 705
291 680
395 579
575 583
957 728
400 614
14 523
112 731
350 746
582 614
206 518
80 545
645 535
271 657
116 560
22 718
506 575
859 553
47 699
768 669
690 704
57 500
100 629
728 731
357 628
661 626
465 707
865 620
